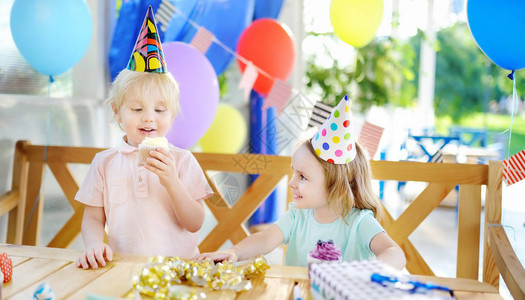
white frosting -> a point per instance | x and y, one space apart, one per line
156 142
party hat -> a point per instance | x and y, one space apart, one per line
147 55
333 142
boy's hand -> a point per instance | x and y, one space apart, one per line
94 256
163 164
226 255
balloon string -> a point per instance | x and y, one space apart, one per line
48 132
514 108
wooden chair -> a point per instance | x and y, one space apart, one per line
498 255
25 204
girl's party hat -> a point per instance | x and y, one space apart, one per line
333 142
147 55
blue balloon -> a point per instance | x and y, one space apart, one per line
498 26
267 9
226 20
52 35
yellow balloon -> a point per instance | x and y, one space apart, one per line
356 21
227 132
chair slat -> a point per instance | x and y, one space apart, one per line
418 210
469 222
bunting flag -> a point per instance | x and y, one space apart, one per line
165 13
369 137
437 157
320 113
248 79
278 96
514 168
202 40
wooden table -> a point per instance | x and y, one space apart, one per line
34 265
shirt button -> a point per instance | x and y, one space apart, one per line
140 179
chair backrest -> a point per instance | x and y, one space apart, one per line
441 178
25 203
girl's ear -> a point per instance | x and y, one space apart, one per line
115 111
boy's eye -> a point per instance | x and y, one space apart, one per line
302 177
159 110
136 109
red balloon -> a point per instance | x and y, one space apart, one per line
269 46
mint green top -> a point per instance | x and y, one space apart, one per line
301 233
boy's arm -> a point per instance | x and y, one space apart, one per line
387 250
260 243
189 211
97 252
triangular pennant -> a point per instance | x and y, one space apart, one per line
369 137
278 96
202 40
514 168
248 79
147 56
320 113
437 157
165 14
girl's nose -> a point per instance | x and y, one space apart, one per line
291 183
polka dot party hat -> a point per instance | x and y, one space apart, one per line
147 55
333 142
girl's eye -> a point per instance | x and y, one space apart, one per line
136 109
159 110
302 177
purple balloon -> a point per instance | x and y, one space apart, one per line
199 93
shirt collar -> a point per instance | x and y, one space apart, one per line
124 147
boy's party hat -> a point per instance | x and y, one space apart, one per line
333 142
147 55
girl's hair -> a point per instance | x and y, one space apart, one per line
144 83
350 185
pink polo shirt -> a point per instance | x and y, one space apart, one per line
139 215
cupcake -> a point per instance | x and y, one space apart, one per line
324 251
149 144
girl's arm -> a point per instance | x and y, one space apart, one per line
190 212
97 252
260 243
387 250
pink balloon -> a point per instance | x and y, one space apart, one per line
199 93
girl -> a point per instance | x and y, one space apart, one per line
147 209
333 200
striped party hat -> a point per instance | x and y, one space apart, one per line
147 55
333 142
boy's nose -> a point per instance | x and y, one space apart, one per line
147 117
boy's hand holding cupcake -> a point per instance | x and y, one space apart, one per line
154 154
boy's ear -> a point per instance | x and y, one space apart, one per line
114 108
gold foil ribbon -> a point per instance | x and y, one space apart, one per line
161 277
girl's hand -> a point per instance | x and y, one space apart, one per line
94 256
163 164
226 255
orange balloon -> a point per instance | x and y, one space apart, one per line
269 46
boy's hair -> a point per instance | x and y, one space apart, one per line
350 185
145 82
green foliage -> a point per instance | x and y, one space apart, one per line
497 125
386 72
466 80
376 78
